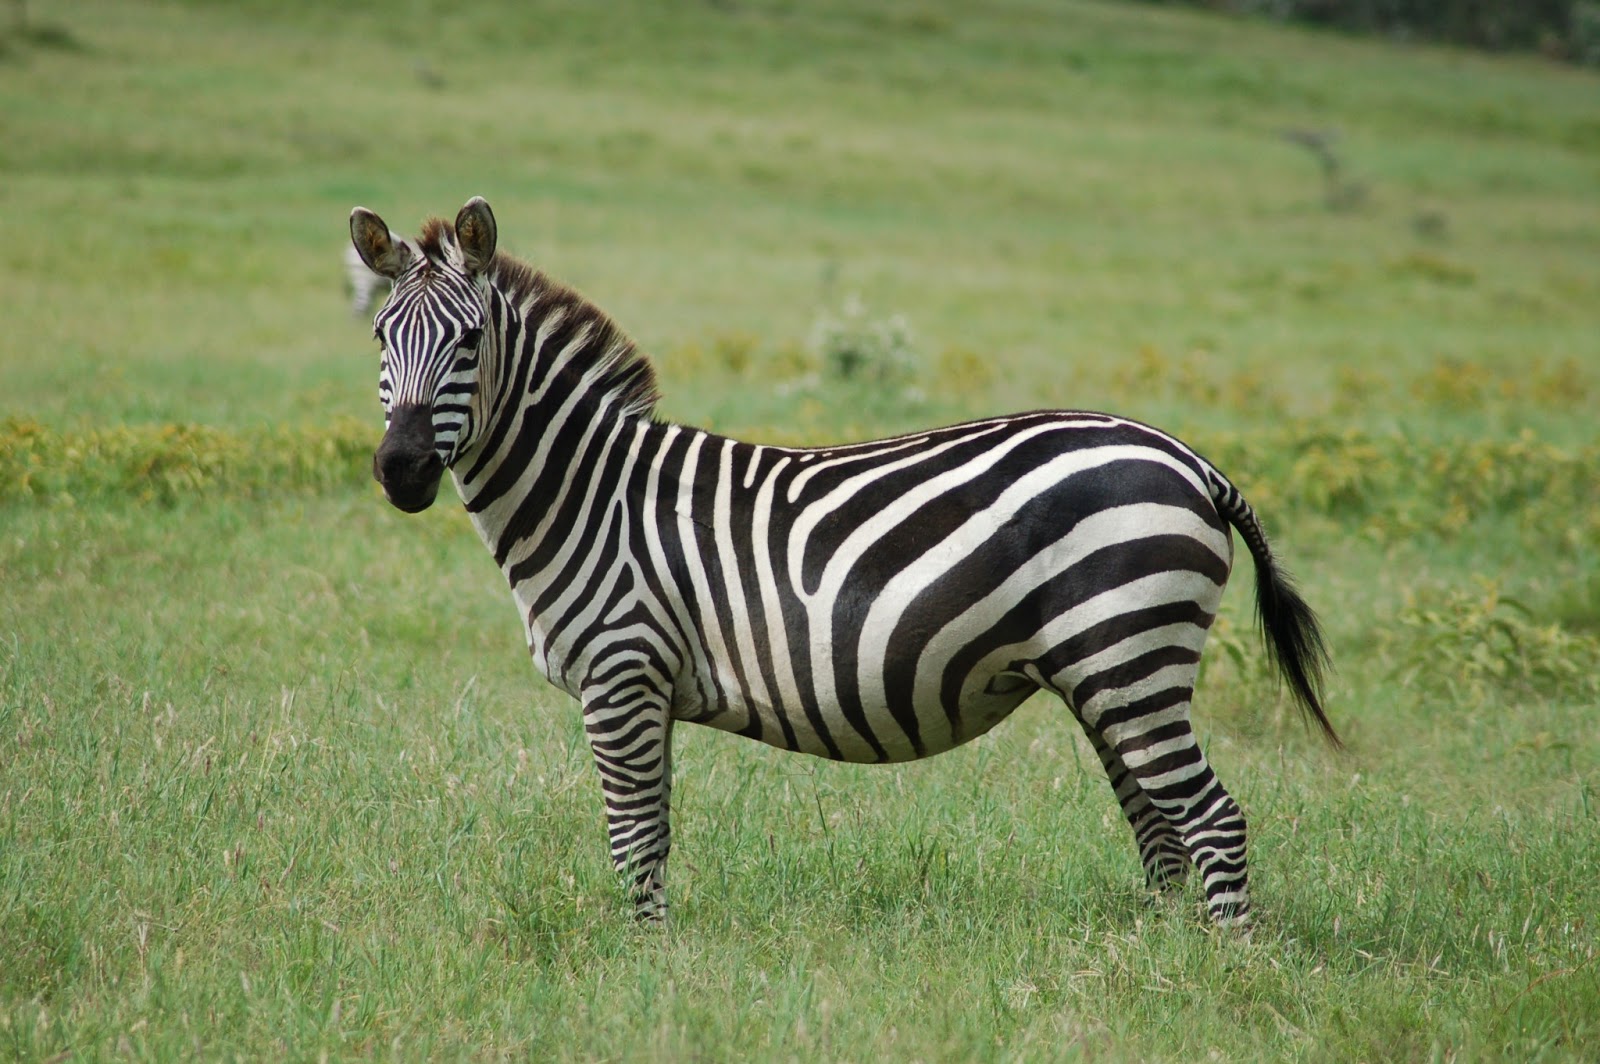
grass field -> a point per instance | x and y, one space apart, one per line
278 780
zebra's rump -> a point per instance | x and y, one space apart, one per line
899 620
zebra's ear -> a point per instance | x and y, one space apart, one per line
383 254
476 233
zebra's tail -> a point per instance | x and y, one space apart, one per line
1293 637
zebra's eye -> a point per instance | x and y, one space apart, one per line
471 338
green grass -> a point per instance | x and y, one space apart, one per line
276 776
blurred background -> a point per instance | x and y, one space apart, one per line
1188 217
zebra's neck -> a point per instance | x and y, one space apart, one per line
564 402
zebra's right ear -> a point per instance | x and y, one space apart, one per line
378 248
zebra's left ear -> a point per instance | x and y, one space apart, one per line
476 233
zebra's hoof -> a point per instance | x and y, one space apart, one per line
650 913
1235 923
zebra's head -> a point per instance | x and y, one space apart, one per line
432 329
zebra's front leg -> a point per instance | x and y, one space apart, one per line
630 734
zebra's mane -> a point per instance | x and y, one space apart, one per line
624 373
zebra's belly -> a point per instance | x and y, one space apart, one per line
980 711
867 733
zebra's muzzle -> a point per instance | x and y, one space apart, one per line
405 463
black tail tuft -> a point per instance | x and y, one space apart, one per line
1294 639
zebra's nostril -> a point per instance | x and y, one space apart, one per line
426 468
401 468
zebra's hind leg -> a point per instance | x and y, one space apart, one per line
630 735
1161 851
1159 749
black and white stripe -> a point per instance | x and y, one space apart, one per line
880 601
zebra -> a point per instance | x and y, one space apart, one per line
869 602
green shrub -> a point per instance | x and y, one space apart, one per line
165 463
855 345
1478 644
1555 25
1584 37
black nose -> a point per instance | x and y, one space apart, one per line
405 463
401 469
